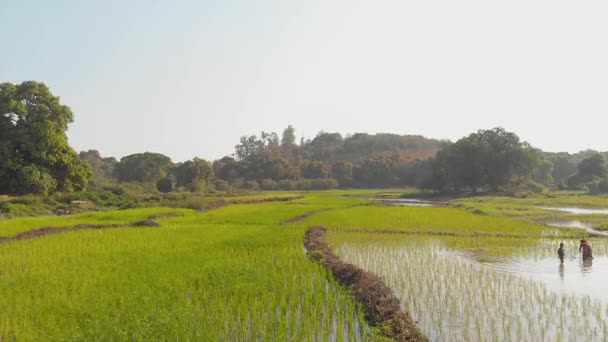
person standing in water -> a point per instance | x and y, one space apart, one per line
585 248
560 252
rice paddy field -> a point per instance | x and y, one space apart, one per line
240 272
234 273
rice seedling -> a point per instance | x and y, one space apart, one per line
234 273
456 298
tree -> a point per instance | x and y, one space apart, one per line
325 146
102 167
376 172
589 169
143 167
270 139
485 159
563 167
314 169
543 173
343 172
594 166
227 169
289 137
194 174
166 184
35 156
247 147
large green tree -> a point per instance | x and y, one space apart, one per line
485 159
589 169
35 156
194 174
143 167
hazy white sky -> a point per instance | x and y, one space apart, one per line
188 78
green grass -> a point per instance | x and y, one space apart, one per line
421 219
234 273
528 209
9 227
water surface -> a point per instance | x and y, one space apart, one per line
574 276
576 224
409 202
578 210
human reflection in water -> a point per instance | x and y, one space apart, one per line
586 265
561 271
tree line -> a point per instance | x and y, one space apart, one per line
273 162
35 158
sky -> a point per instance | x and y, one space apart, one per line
187 78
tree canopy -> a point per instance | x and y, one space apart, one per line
142 167
485 159
35 156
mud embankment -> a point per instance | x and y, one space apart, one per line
382 308
38 232
305 216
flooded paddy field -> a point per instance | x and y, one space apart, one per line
579 211
408 202
459 294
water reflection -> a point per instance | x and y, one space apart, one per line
409 202
575 224
587 266
578 211
573 276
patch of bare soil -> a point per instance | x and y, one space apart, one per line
382 308
162 215
145 223
304 216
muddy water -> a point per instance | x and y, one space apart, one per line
578 211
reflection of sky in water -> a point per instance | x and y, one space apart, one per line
408 202
575 224
575 210
574 276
